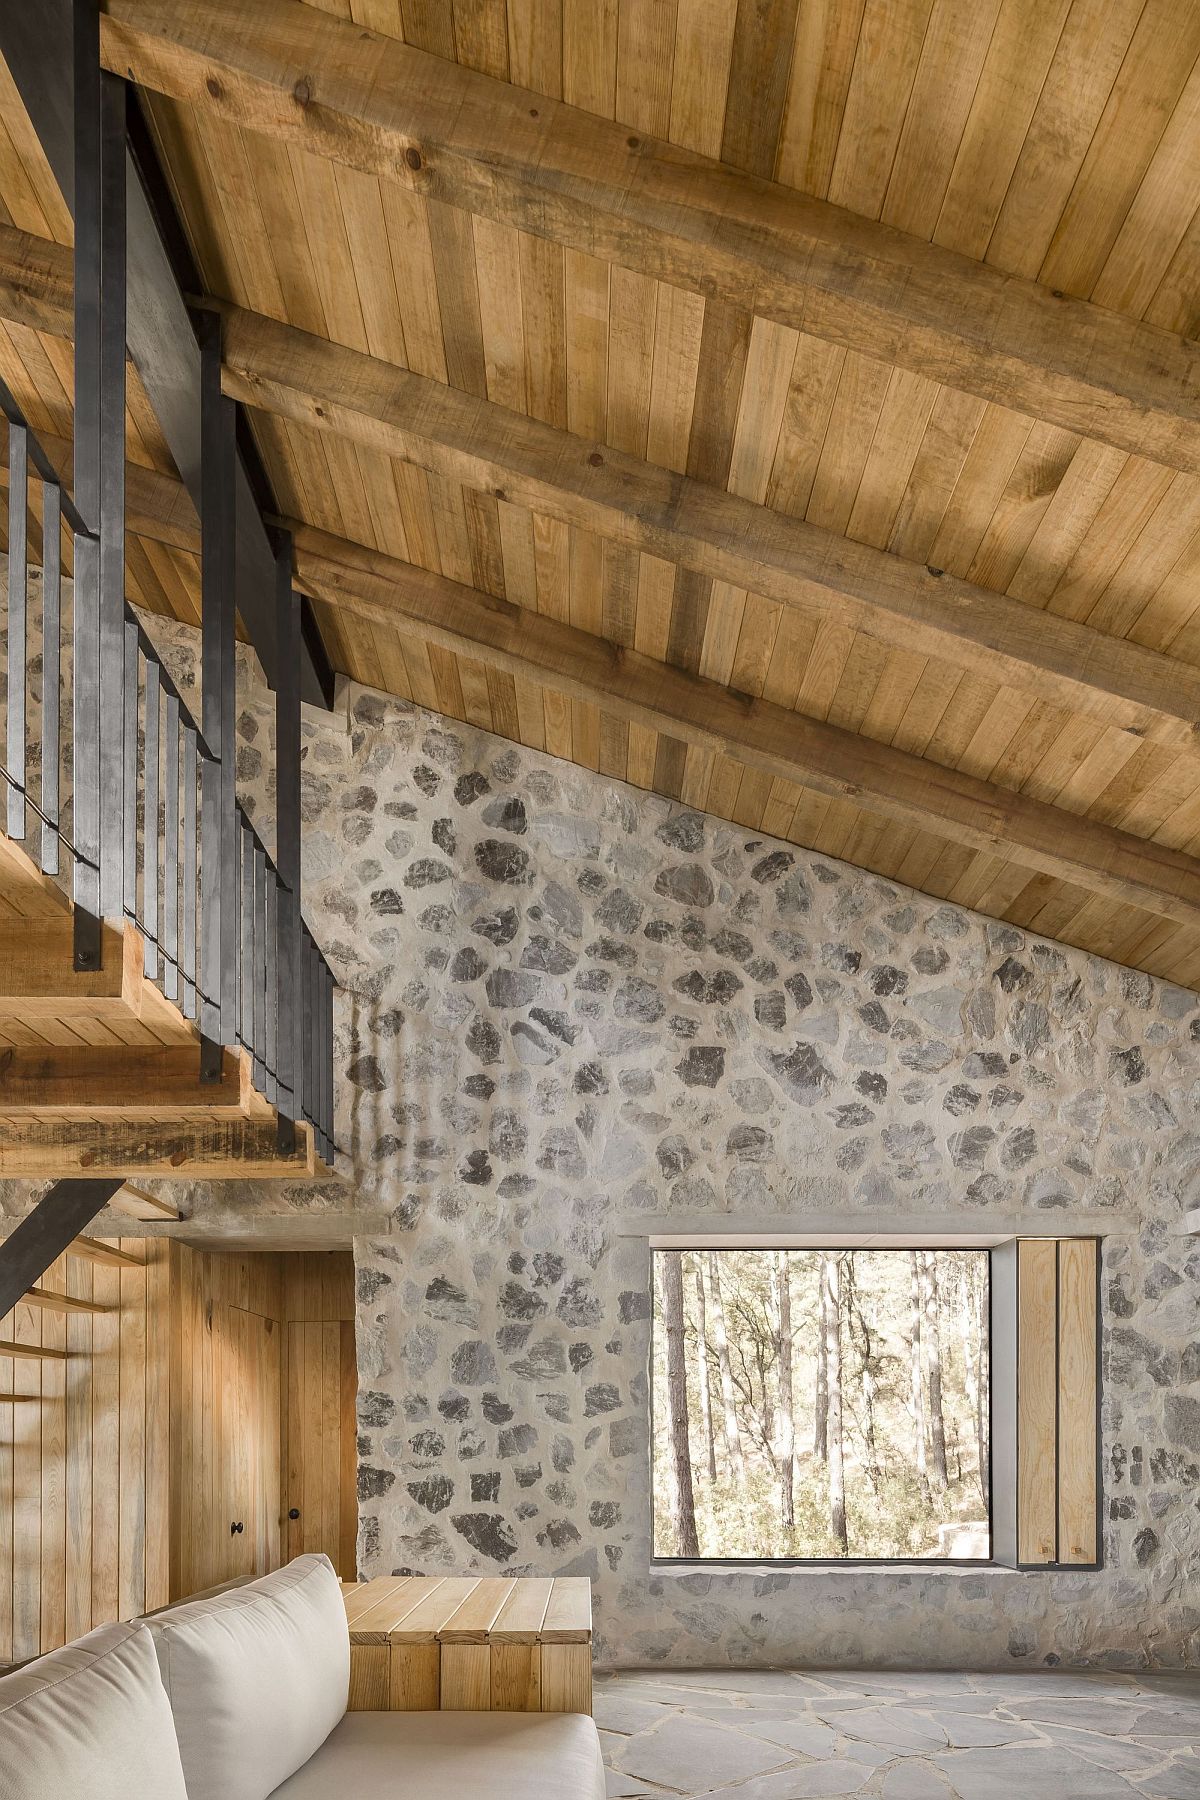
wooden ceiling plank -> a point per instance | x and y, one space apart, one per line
951 61
1176 305
646 39
535 57
703 56
1014 70
589 41
589 183
756 95
1085 64
780 743
1154 74
1157 221
885 68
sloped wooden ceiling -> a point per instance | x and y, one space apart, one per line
1055 141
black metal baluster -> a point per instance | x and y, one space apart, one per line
170 924
327 1059
51 668
190 885
271 986
307 1020
150 824
259 967
129 881
246 866
218 456
18 623
110 519
85 804
287 841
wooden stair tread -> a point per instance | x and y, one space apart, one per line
94 1250
16 1399
33 1352
61 1302
135 1203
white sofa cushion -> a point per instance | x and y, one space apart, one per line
90 1719
454 1756
257 1678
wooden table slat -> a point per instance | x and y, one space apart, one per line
569 1615
471 1623
519 1620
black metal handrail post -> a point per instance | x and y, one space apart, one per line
86 484
219 959
99 661
289 1035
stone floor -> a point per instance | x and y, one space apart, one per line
764 1735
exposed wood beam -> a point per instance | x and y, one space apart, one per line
138 1081
758 733
706 529
320 384
332 87
237 1149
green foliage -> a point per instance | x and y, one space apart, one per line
890 1510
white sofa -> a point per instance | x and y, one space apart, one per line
242 1695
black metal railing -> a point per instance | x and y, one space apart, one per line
149 828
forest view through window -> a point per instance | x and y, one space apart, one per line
821 1403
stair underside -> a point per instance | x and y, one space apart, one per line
100 1072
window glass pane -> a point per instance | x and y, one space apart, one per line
812 1403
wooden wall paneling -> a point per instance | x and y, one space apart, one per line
52 1415
106 1469
131 1566
1077 1400
158 1422
1037 1425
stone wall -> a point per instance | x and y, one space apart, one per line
580 1011
572 1012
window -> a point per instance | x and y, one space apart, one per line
812 1404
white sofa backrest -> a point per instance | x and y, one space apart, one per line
91 1720
257 1678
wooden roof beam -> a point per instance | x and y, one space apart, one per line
281 369
333 88
706 529
783 744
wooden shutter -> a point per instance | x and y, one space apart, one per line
1057 1376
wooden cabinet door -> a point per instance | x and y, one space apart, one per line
321 1476
249 1444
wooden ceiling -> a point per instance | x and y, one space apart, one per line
867 459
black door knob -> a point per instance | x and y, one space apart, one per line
293 1512
236 1527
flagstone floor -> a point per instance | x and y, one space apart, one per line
766 1735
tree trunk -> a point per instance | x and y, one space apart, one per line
733 1437
821 1399
677 1404
916 1394
706 1416
982 1373
931 1339
785 1433
833 1365
867 1377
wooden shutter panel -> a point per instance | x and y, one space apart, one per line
1057 1376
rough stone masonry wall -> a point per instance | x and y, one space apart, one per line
570 1008
580 1007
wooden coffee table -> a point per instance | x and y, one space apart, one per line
467 1643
